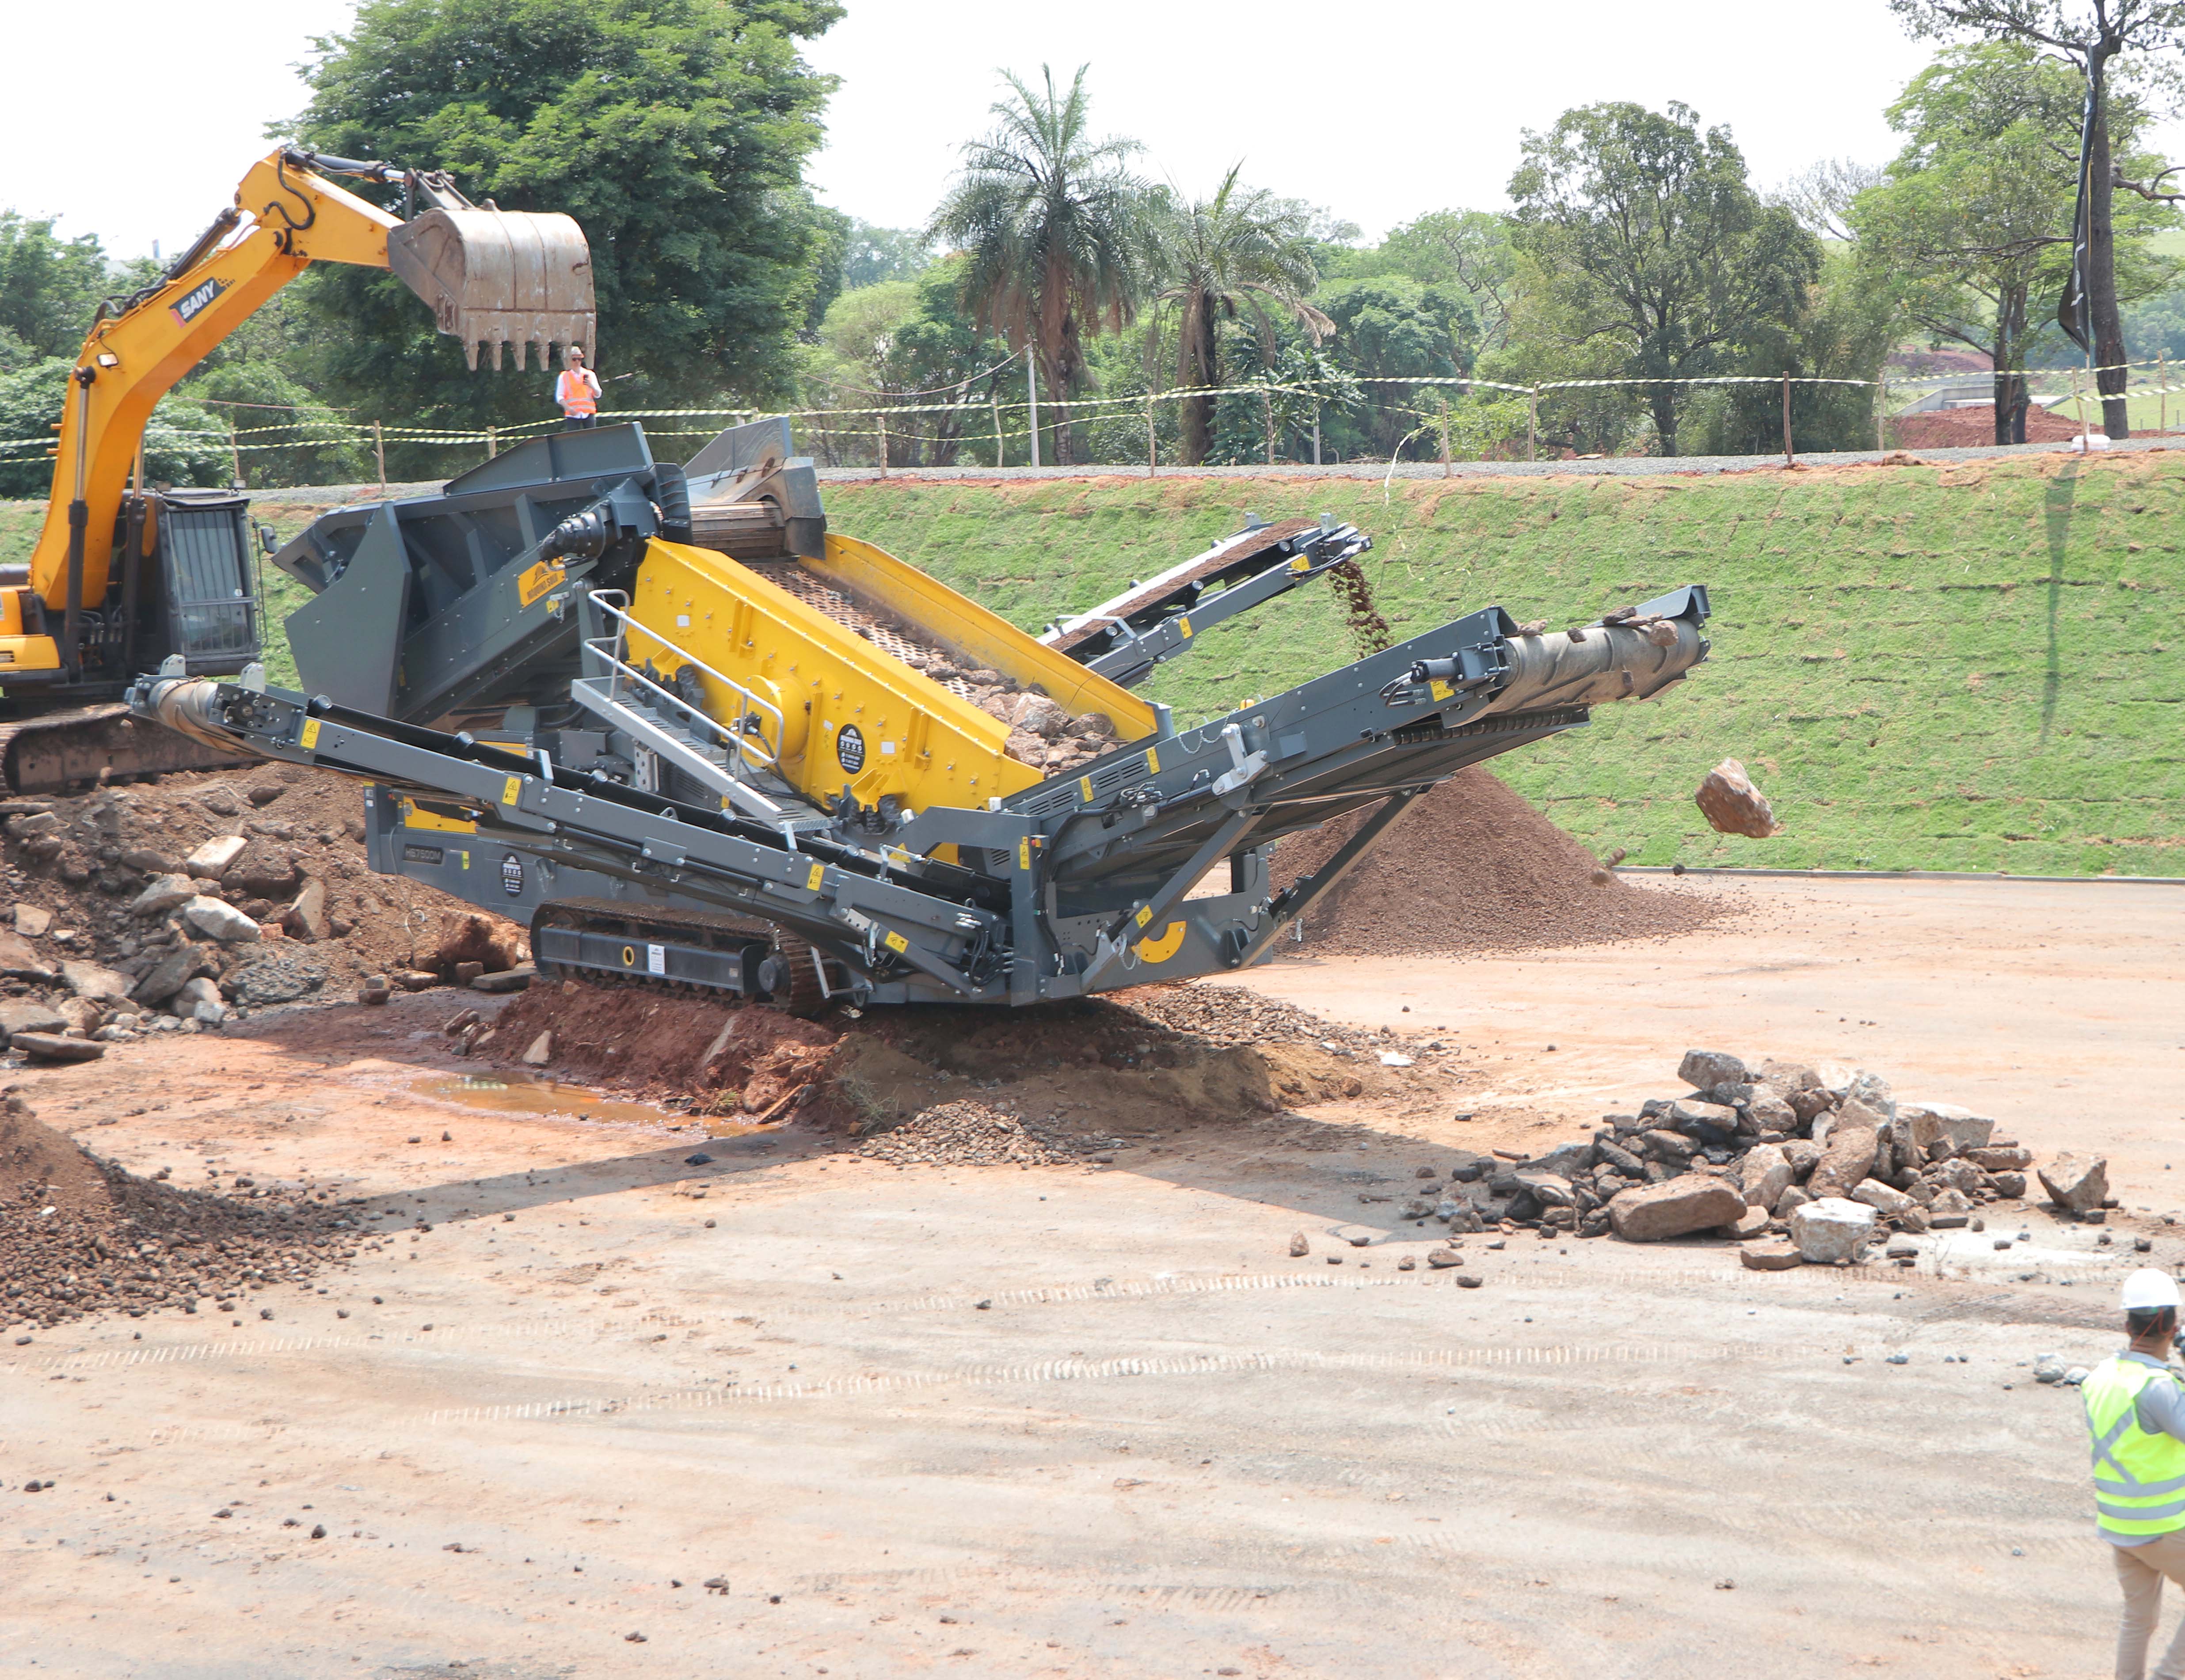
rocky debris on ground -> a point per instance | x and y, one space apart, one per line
79 1235
1822 1153
174 902
1470 866
1733 806
966 1133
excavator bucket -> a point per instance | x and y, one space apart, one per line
497 277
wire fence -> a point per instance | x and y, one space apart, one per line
1451 418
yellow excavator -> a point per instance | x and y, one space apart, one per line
126 577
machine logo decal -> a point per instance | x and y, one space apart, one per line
536 580
512 875
422 854
192 303
850 750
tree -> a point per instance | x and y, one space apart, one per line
1467 250
49 286
1052 225
1387 330
876 253
1973 218
2092 34
674 133
1643 238
1240 253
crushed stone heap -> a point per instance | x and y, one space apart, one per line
78 1235
1471 866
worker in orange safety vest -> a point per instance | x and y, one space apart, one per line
577 390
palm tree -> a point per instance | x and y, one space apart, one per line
1243 250
1052 225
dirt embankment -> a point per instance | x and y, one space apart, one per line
1091 1067
287 852
1471 866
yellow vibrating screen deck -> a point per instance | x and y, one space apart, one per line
846 714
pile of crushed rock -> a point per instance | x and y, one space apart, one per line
1823 1156
969 1133
78 1235
169 904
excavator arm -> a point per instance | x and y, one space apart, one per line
491 276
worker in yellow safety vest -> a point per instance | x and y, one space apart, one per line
577 390
2136 1417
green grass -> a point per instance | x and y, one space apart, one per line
1977 668
1924 668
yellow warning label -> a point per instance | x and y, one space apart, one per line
1024 854
1085 787
513 791
1152 761
1145 914
1299 563
819 874
1439 689
311 736
1160 950
538 579
1183 625
895 942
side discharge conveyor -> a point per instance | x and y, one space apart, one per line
769 777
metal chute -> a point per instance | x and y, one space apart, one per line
497 277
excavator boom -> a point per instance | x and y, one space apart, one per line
121 578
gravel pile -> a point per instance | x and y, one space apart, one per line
1470 866
1227 1015
79 1236
966 1133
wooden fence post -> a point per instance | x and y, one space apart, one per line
234 452
492 444
880 419
1531 425
379 454
1153 453
1446 470
1790 458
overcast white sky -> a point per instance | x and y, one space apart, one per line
1379 112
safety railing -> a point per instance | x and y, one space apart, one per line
745 742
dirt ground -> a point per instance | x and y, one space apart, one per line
834 1416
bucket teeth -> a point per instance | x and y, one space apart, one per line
496 277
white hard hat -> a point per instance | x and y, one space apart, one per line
2149 1288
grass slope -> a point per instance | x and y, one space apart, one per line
1979 667
1976 667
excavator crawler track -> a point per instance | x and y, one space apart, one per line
91 745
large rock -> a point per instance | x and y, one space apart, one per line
19 959
1804 1155
1772 1257
263 869
27 1015
306 919
1888 1202
1939 1122
1767 1111
1702 1069
473 939
32 920
168 975
1789 1076
275 977
216 857
1688 1202
224 921
1732 805
92 980
1688 1115
199 1001
1993 1160
1549 1190
1767 1176
1831 1228
2079 1182
41 1046
165 893
1845 1162
1565 1160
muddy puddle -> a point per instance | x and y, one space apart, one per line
551 1099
